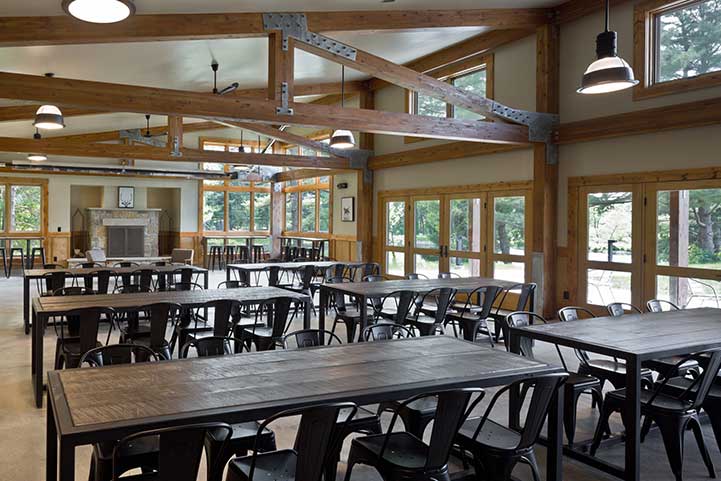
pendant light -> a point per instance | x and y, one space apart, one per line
610 73
37 157
99 11
49 117
341 138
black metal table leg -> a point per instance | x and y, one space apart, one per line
633 424
51 445
26 304
554 456
37 356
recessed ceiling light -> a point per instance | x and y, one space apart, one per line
99 11
37 157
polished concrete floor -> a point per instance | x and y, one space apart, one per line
22 426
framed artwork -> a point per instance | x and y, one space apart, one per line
347 208
126 197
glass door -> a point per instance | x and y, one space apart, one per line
509 256
465 235
395 243
683 243
610 244
427 221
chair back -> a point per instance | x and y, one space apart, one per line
132 289
114 354
520 319
223 310
442 297
72 291
338 298
575 313
336 270
306 275
181 256
544 388
103 281
87 323
52 281
402 301
386 332
181 448
210 346
273 273
485 297
415 276
243 254
309 338
618 309
657 305
234 284
370 269
161 314
448 275
145 278
278 309
374 278
183 275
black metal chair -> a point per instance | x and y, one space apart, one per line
191 324
386 332
309 338
404 455
179 451
305 284
673 413
36 251
575 385
611 370
617 309
525 290
209 346
215 258
103 277
495 448
70 348
429 320
269 336
345 312
146 278
657 305
449 275
367 269
318 431
51 282
413 276
21 252
160 315
142 454
3 253
232 284
472 317
183 275
394 308
364 421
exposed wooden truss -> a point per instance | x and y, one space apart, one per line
110 135
299 174
436 153
59 30
131 98
575 9
142 152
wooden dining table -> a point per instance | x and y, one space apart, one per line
283 266
363 291
46 307
635 338
79 272
87 406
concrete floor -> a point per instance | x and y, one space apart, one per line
22 426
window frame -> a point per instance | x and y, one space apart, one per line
227 188
645 61
448 74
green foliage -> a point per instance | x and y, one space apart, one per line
213 210
509 222
690 41
25 208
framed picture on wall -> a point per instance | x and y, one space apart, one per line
126 197
347 208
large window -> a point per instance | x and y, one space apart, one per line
22 208
475 75
678 45
231 205
308 203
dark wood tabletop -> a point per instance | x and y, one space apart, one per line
56 305
379 289
645 336
83 271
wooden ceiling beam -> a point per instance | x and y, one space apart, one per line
575 9
27 112
299 174
110 135
478 45
62 30
142 152
132 98
437 153
407 78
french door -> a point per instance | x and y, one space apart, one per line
469 234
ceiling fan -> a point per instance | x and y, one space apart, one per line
230 88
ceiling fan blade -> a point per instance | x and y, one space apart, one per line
230 88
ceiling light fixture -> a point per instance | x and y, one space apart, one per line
49 117
99 11
341 138
610 73
37 157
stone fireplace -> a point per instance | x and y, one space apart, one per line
126 223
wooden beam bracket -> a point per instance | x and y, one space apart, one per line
295 25
541 126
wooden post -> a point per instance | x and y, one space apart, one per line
545 175
280 66
364 204
175 131
277 215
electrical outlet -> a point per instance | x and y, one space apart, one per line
566 295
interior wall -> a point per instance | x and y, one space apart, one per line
340 228
81 198
167 199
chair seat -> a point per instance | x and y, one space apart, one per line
662 402
275 465
677 385
403 449
464 316
363 420
246 430
667 365
424 406
71 347
617 367
146 446
581 380
262 331
461 306
492 436
353 313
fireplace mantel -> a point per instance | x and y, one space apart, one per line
99 219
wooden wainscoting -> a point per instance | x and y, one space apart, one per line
190 240
58 247
344 248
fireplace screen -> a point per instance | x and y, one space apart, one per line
126 241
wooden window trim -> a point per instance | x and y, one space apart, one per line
450 72
227 188
644 46
8 182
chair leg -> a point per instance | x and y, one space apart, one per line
713 410
494 468
672 431
696 427
530 459
601 427
646 427
569 414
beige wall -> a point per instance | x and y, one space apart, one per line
167 199
341 228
